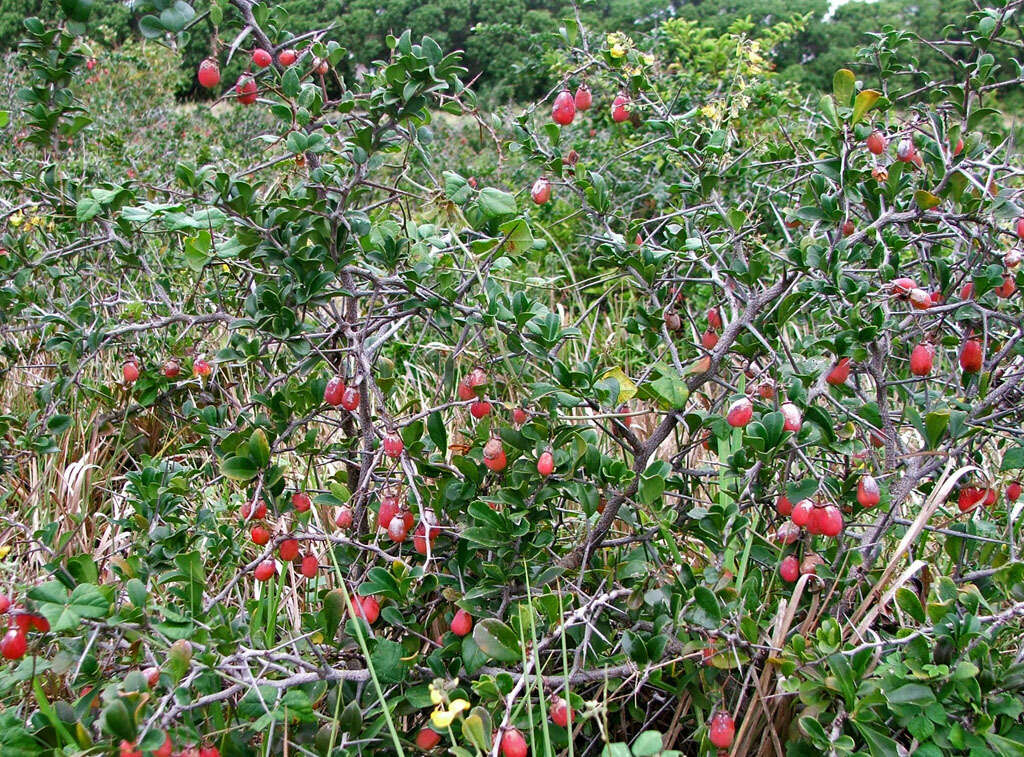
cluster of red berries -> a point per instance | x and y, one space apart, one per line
14 643
288 549
171 369
970 497
824 520
245 88
338 393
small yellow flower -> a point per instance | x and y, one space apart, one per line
16 219
617 51
436 695
648 59
442 718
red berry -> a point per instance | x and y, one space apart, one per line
540 192
286 57
388 510
839 373
789 569
333 391
14 644
261 58
209 73
171 369
971 356
545 463
969 498
128 749
130 371
462 623
419 537
165 749
868 493
208 751
265 570
708 339
830 521
201 368
902 287
722 730
465 391
5 603
494 455
967 291
920 299
848 228
561 712
520 416
906 152
787 533
480 408
513 744
1013 491
783 506
714 319
398 530
564 109
802 512
258 514
288 549
393 445
876 142
246 89
793 421
620 109
350 398
991 495
40 623
152 675
368 609
1007 288
740 413
959 147
1020 227
310 565
301 501
921 359
583 99
344 517
427 739
259 535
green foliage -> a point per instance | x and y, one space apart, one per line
377 230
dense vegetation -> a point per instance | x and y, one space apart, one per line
672 412
505 44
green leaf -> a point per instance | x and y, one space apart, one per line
705 611
909 602
87 208
925 199
799 490
259 448
912 693
151 27
333 611
879 744
117 721
671 393
497 640
64 611
476 728
5 118
647 744
1013 459
935 425
386 659
238 468
865 101
437 431
842 86
495 203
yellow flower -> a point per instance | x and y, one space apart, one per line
436 695
618 44
648 59
16 219
617 51
442 718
